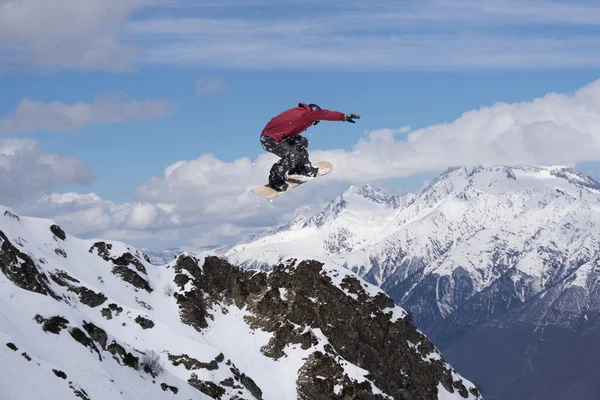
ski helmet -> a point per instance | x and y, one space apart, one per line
314 107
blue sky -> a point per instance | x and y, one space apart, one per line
115 92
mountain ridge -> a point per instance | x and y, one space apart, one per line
198 327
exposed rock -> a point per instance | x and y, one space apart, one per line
143 303
58 232
115 307
180 280
402 361
209 388
89 297
145 323
166 387
126 358
122 263
79 392
106 313
132 277
321 374
82 338
102 249
59 373
11 215
21 269
126 259
247 382
230 382
96 333
61 277
191 363
60 252
53 324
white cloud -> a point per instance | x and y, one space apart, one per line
32 115
64 34
111 35
26 170
386 35
554 129
208 201
210 85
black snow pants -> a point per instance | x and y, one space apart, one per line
293 152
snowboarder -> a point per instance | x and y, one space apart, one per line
281 136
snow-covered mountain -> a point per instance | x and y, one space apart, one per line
347 225
96 320
496 247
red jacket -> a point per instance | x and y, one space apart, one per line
296 120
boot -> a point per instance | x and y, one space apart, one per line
276 180
304 170
279 186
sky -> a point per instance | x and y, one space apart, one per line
139 120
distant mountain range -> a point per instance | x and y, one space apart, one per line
489 261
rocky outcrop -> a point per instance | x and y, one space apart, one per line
296 300
192 364
22 270
58 232
121 265
132 277
145 323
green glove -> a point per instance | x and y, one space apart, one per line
351 117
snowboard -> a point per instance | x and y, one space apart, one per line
267 192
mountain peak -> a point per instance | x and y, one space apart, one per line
504 179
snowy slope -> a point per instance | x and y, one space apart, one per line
77 316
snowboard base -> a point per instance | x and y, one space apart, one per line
267 192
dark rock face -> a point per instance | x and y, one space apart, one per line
59 373
126 358
319 376
121 265
96 333
102 249
21 269
209 388
86 296
89 297
107 311
53 324
166 387
144 322
247 382
58 232
128 259
63 278
82 338
191 363
359 330
132 277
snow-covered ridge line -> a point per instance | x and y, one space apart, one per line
197 327
469 230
